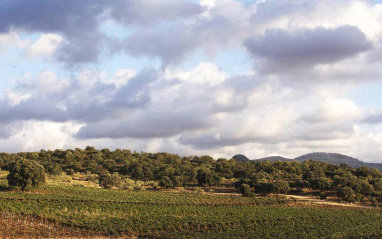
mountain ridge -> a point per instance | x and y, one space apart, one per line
333 158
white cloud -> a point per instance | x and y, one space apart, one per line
46 45
11 39
35 135
333 110
15 98
206 73
306 56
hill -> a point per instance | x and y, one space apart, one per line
332 158
240 158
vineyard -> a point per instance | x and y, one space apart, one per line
76 211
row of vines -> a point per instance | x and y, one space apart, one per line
174 215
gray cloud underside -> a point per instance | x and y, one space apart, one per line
200 115
373 119
229 23
82 104
80 21
308 47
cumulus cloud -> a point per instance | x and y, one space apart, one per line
333 111
306 57
10 39
147 12
79 22
46 45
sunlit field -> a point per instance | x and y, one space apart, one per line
62 211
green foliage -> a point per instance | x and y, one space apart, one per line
166 182
346 194
320 183
53 168
107 180
171 170
24 173
119 213
206 178
243 181
280 186
245 190
263 187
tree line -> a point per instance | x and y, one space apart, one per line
171 170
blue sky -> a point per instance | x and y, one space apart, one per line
193 77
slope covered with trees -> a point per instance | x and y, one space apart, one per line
171 170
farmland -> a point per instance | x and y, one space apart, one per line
101 193
90 212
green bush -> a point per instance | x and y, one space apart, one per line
322 195
24 173
107 180
346 194
70 172
245 190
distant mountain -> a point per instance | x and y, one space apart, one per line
240 158
332 158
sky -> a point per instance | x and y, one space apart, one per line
208 77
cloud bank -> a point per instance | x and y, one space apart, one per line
306 58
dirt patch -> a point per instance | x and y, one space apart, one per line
329 201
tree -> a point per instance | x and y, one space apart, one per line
300 185
206 178
53 168
280 186
263 187
366 188
171 181
320 183
24 173
166 182
346 194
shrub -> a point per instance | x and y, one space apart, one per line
245 190
199 190
322 195
243 180
24 173
70 172
166 182
107 180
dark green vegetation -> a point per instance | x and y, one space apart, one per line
170 171
191 215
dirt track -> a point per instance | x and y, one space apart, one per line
325 202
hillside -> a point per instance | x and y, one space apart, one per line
332 158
